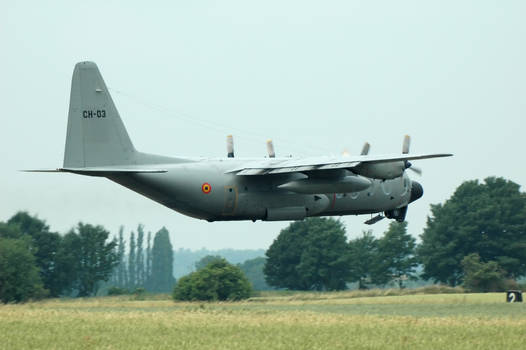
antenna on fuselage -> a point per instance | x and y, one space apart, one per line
230 146
270 149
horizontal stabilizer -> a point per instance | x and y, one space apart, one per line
98 171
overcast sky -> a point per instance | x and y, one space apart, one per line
317 77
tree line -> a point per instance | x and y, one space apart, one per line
477 238
36 262
139 267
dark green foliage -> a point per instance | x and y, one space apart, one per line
140 257
28 224
204 261
185 259
122 271
92 257
10 231
219 280
132 263
309 255
19 278
485 218
68 259
161 279
118 291
482 277
148 271
45 246
395 256
253 270
363 253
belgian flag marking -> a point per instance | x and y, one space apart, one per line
206 188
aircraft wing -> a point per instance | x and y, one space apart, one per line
287 165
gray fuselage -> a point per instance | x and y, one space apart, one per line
202 189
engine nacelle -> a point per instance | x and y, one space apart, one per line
381 171
343 185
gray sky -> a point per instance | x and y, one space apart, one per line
316 77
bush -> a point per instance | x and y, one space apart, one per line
118 291
19 278
482 276
219 280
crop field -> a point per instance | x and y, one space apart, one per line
343 320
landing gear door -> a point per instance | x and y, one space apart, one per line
230 200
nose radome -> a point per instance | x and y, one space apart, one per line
417 191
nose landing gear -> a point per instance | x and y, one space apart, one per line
398 214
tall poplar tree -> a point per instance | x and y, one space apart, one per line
132 268
162 280
140 256
148 257
122 281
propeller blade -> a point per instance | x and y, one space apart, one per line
416 170
346 153
405 145
365 149
230 146
270 149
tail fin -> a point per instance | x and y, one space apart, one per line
96 135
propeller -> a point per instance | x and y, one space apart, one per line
405 150
230 146
365 149
270 149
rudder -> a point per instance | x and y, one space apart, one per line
96 135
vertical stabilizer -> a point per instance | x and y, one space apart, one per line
96 135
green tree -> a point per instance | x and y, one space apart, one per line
309 255
44 247
95 257
363 253
205 260
253 270
67 263
396 255
162 280
148 272
19 277
140 256
122 280
482 277
488 219
132 263
219 280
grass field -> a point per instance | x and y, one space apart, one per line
341 320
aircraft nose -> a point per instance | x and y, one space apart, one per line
417 191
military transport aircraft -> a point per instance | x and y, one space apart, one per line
270 188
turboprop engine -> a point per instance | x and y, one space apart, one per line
382 171
346 184
386 171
